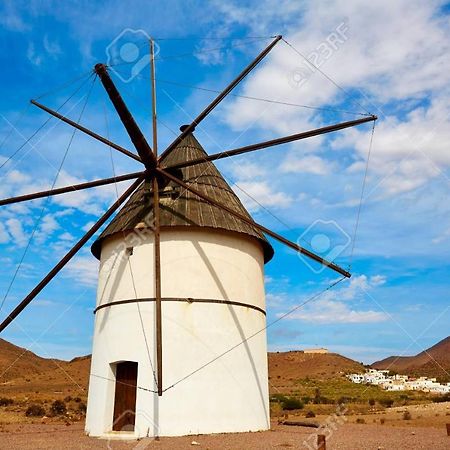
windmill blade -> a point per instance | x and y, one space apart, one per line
136 136
27 300
73 188
86 130
265 230
273 142
219 98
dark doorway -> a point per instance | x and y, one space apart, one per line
125 396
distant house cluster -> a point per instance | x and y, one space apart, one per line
399 382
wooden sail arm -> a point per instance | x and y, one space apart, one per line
29 298
190 128
273 142
73 188
157 235
250 222
86 130
136 136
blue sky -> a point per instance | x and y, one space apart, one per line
389 58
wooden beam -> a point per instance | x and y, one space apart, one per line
86 130
157 245
321 442
190 128
136 136
262 228
273 142
27 300
75 187
157 235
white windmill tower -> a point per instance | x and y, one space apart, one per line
181 289
212 275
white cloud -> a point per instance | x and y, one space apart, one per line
17 177
381 54
88 226
248 170
66 237
89 201
10 18
4 236
52 47
33 56
263 193
84 270
49 224
406 153
273 300
325 311
378 280
15 229
340 305
307 164
382 57
442 237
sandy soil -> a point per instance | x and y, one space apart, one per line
346 436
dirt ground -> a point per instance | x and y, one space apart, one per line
342 436
425 428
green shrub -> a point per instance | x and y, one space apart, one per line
387 402
289 404
58 408
35 411
442 398
320 399
4 401
344 399
278 398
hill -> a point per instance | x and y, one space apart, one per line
17 361
287 367
25 373
22 373
433 362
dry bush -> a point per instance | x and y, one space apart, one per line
4 401
58 408
35 411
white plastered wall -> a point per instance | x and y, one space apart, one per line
228 395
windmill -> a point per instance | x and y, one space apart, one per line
181 279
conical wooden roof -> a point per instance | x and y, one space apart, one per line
181 208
